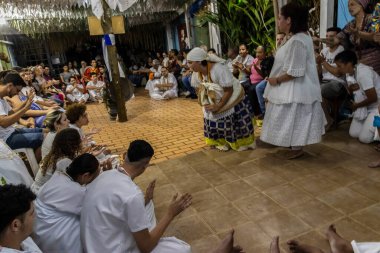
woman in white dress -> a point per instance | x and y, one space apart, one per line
294 116
67 145
58 206
55 121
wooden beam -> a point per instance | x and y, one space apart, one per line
113 62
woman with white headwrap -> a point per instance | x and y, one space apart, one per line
226 110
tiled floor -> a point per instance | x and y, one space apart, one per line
258 193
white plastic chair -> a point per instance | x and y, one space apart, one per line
29 152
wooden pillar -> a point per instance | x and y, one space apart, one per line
113 62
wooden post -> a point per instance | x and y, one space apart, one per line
113 62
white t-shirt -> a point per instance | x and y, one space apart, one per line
41 179
80 131
246 61
76 93
113 209
5 108
367 78
330 58
170 79
28 246
58 207
98 84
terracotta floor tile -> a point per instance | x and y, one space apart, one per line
264 180
222 218
341 176
316 213
207 199
352 230
345 200
257 206
236 190
287 195
250 237
369 217
192 185
284 225
184 229
220 177
315 184
205 244
208 167
368 188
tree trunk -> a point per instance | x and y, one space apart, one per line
113 62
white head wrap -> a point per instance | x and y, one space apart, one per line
198 54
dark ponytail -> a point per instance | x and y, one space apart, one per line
85 163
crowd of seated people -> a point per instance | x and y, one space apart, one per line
69 206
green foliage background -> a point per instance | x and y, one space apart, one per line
249 21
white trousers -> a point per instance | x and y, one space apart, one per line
73 99
165 244
364 129
365 247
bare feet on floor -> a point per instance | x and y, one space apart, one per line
227 245
294 154
374 164
296 247
274 247
337 243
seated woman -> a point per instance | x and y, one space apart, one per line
67 145
75 91
37 112
55 121
59 203
166 87
368 81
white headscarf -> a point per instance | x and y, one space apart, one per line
198 54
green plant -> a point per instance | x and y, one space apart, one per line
244 21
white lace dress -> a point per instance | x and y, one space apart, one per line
294 115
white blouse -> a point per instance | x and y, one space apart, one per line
295 58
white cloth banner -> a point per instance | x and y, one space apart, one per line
97 7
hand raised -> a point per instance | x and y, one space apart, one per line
178 205
150 191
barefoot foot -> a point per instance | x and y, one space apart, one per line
274 248
227 244
337 243
374 164
296 247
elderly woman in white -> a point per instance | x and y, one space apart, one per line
226 110
294 116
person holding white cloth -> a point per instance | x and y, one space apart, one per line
368 84
117 218
294 116
59 204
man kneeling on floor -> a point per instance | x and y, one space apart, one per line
117 218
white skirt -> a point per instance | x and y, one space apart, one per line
290 125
